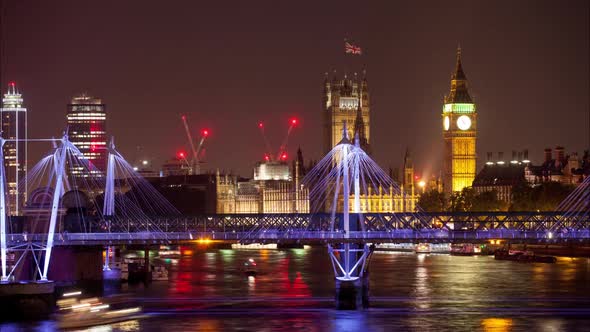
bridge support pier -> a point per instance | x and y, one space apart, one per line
78 266
107 264
146 265
352 294
350 263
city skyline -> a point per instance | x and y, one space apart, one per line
274 165
159 76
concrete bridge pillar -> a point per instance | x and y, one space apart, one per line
352 294
146 265
77 265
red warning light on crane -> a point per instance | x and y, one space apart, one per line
205 132
294 121
284 156
260 124
181 155
266 157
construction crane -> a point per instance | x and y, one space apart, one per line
282 153
194 163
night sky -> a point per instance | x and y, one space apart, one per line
228 65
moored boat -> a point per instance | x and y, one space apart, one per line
423 248
159 273
169 252
523 256
465 249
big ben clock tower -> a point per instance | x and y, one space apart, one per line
459 122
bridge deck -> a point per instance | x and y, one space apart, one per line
319 228
68 239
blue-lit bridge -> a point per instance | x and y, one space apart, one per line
124 210
548 227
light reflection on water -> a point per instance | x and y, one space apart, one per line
294 291
496 324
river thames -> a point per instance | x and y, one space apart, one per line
294 290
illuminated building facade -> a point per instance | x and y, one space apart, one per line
383 201
409 196
86 117
559 166
347 101
459 120
344 100
272 170
388 200
273 190
13 122
501 176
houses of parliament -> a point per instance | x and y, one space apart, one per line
277 188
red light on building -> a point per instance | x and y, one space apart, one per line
184 117
260 124
205 132
294 121
266 157
181 155
12 83
284 156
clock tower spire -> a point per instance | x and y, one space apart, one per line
459 133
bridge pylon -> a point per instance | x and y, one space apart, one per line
108 209
350 260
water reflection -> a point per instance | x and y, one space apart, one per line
227 256
280 274
422 288
251 284
496 324
292 281
182 284
210 258
294 290
551 325
349 321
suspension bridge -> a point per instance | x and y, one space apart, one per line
121 208
532 227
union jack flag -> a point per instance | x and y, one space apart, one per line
352 49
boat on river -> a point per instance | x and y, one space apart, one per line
169 252
159 273
79 313
423 248
465 249
133 270
250 267
523 256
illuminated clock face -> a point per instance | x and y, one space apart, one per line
446 123
464 122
